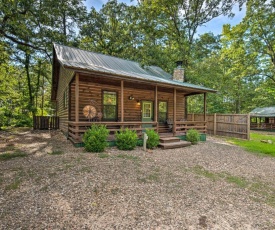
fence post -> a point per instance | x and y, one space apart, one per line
248 126
215 124
193 117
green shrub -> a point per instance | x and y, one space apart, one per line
126 139
23 121
153 138
95 138
140 142
193 136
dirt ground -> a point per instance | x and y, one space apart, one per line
212 185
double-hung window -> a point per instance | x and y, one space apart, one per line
109 106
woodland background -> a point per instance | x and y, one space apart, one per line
239 63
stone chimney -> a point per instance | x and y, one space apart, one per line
178 72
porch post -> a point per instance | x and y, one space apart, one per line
156 107
204 95
122 100
76 97
77 104
248 127
175 111
204 106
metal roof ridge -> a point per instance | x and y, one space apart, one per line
107 55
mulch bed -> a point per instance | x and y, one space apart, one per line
212 185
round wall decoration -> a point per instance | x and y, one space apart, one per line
89 111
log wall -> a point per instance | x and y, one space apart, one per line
90 88
63 85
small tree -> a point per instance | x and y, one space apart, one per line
95 138
153 138
193 136
126 139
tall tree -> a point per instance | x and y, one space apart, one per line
181 19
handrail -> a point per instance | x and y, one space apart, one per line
189 122
85 123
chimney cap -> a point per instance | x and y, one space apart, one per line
179 63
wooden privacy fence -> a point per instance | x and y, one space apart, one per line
45 122
232 125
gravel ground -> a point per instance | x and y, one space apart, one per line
212 185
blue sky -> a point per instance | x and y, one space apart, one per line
214 26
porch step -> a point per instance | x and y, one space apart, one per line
173 145
169 139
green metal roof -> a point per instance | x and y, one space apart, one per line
75 58
263 112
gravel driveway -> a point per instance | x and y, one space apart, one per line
212 185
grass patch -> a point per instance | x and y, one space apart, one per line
56 152
265 193
17 180
103 155
8 156
153 176
128 157
255 145
14 185
203 172
240 182
87 169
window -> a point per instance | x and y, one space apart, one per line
65 99
162 111
147 110
109 105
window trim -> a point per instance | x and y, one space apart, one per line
151 109
167 104
116 106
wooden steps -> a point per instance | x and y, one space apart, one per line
172 143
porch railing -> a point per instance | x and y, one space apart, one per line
77 129
184 126
45 122
264 126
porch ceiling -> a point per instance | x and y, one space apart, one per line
129 83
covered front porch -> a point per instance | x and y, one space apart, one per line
136 105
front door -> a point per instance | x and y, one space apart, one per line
147 113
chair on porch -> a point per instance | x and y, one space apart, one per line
170 122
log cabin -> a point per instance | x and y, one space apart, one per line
90 87
263 118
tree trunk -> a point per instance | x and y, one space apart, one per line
27 65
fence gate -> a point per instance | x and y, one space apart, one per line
45 122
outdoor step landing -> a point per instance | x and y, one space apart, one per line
169 139
173 145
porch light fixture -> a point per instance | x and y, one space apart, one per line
138 102
131 98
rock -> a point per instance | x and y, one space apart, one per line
267 141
